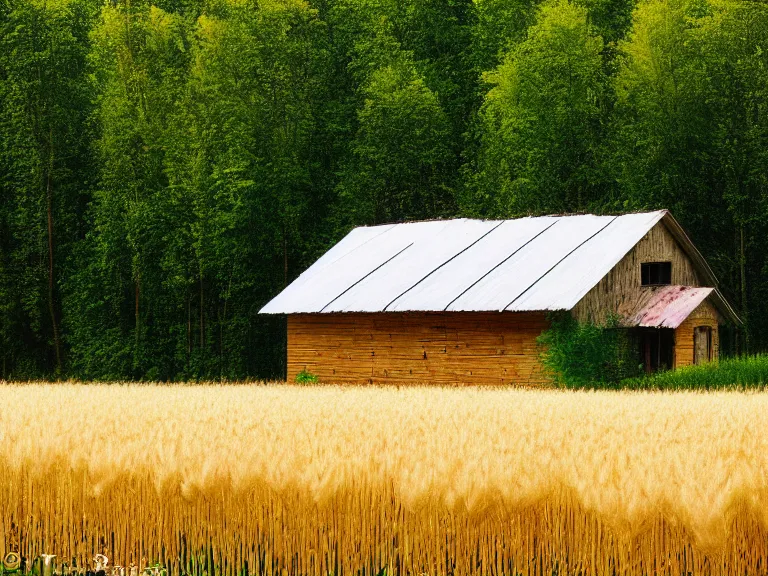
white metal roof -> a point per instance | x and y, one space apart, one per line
542 263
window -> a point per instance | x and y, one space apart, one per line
656 273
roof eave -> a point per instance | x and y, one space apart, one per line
725 308
690 248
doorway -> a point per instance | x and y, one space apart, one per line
702 344
657 348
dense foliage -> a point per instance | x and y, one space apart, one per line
166 168
579 355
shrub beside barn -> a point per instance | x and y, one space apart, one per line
463 301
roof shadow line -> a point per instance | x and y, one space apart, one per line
396 298
366 276
468 288
516 298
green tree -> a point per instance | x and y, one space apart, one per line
542 121
206 201
140 57
691 127
245 182
399 152
497 27
167 166
45 173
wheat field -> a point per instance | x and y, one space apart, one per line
283 479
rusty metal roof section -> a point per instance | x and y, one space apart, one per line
667 306
526 264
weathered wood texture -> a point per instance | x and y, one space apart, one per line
621 290
704 315
453 348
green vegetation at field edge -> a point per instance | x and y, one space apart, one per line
745 372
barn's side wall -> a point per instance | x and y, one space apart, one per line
621 288
451 348
704 315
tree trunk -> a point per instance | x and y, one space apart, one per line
285 258
743 273
222 325
202 325
189 328
137 317
51 304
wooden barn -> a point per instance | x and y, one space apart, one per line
463 301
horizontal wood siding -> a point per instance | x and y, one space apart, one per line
450 348
704 315
621 289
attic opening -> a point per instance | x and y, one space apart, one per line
656 273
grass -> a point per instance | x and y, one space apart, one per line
745 372
305 377
313 480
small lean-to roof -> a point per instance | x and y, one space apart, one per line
526 264
667 306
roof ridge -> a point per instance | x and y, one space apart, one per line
521 217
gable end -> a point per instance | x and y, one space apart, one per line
620 290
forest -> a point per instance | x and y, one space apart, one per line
168 166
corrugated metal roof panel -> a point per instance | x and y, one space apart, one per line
356 238
295 293
447 283
385 285
544 263
667 306
582 270
329 278
352 241
507 282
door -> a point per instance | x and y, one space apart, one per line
702 344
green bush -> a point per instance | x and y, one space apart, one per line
305 377
742 372
586 355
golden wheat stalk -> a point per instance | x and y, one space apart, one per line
324 480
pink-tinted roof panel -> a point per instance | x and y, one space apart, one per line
668 306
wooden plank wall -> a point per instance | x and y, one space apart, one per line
704 315
448 348
621 289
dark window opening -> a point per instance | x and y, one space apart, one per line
656 273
